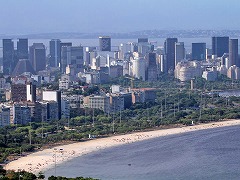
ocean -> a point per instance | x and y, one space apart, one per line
206 154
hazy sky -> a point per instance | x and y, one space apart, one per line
36 16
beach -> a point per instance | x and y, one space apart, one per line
48 158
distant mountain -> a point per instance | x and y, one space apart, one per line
130 35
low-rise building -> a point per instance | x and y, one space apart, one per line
97 102
210 75
142 95
64 82
186 70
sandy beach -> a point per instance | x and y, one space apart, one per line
45 159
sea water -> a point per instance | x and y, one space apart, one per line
205 154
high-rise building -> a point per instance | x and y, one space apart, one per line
8 56
88 58
53 96
21 114
169 49
63 53
104 43
139 67
31 92
37 56
152 67
198 51
22 48
55 52
220 45
18 92
142 40
4 116
72 56
179 52
233 52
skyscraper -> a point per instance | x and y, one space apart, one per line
104 43
55 52
8 56
198 51
142 40
22 48
88 58
233 52
152 67
220 45
63 55
37 56
72 55
138 68
179 52
169 49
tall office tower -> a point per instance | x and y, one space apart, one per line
220 45
233 52
88 57
37 56
104 43
152 67
72 56
169 49
63 44
55 52
142 40
8 56
125 49
22 48
198 51
179 52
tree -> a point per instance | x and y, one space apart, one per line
40 175
2 171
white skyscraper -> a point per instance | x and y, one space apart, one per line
138 68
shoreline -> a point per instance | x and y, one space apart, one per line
40 161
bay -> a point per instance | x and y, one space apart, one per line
206 154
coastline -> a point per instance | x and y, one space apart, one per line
42 160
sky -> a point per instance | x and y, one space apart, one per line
89 16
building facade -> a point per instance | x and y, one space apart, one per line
233 52
22 48
55 53
179 52
8 56
104 43
37 56
220 45
198 51
169 51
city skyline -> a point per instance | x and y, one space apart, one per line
45 16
